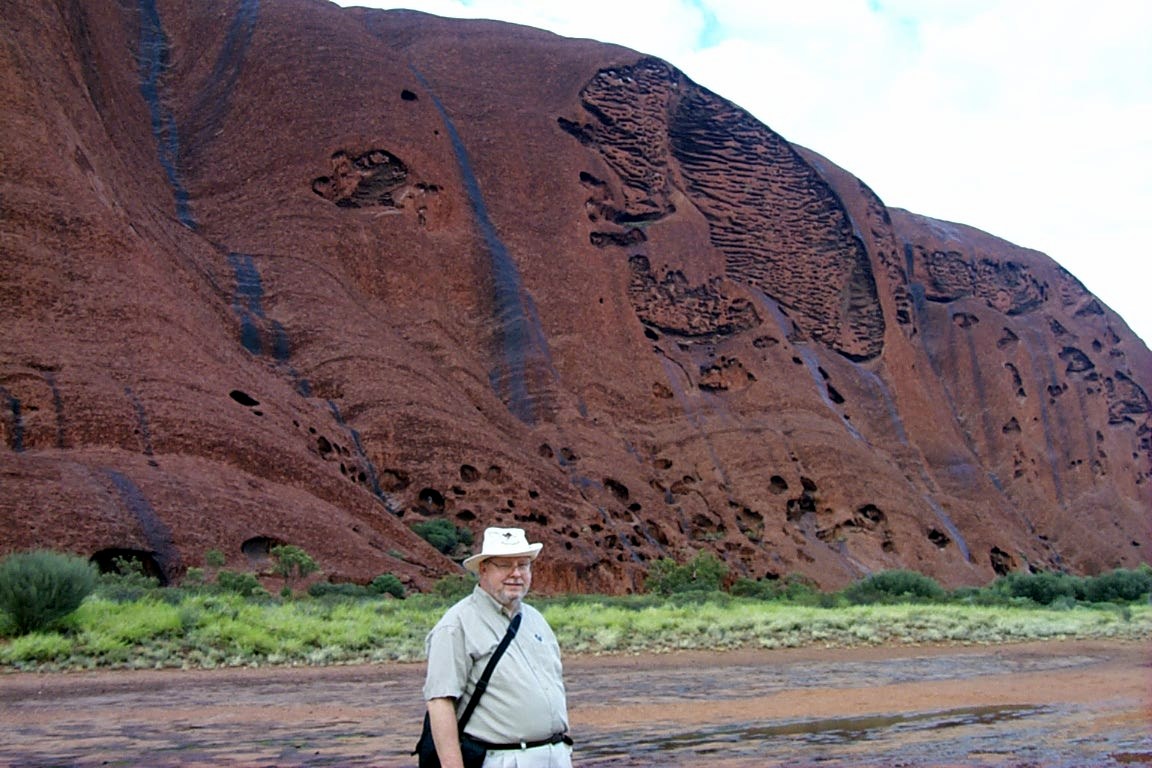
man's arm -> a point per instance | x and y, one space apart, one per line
442 716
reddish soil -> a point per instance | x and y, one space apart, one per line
1036 704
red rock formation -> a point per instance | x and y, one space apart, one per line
285 272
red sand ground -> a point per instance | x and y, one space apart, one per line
1035 704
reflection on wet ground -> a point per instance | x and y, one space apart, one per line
1042 706
998 735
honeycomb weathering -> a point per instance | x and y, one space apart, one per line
284 273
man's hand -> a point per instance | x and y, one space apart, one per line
442 717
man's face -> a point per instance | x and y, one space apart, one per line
506 578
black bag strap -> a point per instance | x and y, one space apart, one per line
482 685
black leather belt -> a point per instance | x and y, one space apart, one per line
555 738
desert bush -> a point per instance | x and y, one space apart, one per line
292 563
894 586
387 584
240 582
345 589
442 534
127 583
1119 586
40 588
703 573
1043 588
793 588
454 586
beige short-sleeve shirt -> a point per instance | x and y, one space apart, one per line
525 699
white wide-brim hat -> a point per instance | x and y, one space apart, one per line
503 542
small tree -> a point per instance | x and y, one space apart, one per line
292 563
39 588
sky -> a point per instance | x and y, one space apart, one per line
1028 119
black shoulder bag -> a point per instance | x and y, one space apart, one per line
472 752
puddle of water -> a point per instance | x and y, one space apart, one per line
845 730
1003 736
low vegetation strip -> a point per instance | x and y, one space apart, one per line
207 631
56 614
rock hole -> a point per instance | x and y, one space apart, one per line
469 473
545 451
243 398
964 320
393 480
835 396
616 488
939 539
466 515
259 548
1002 562
777 485
106 561
408 95
323 446
872 513
432 498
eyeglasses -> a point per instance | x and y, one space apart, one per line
524 566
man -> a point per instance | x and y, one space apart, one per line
522 717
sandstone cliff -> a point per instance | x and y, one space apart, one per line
285 272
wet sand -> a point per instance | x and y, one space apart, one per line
1052 704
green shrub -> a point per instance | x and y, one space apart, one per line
128 582
387 584
242 583
454 586
894 586
793 588
1043 588
292 563
344 589
39 588
442 534
703 573
1118 586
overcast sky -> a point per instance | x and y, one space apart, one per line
1028 119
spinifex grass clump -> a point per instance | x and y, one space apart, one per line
38 589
